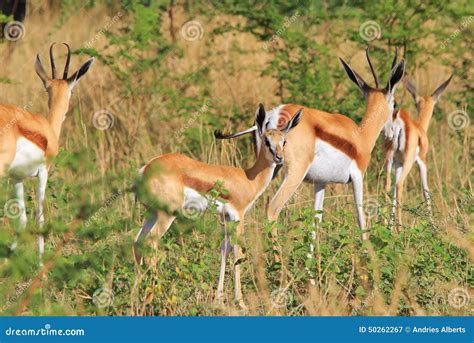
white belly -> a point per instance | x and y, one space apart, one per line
195 204
28 159
329 165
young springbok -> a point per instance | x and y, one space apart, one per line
177 182
28 140
409 144
331 148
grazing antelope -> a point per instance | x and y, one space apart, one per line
330 148
409 144
179 182
28 140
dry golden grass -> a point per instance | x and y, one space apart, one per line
235 82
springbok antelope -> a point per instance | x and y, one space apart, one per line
179 182
331 148
409 144
28 141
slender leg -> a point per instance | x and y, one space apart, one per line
388 171
155 225
19 191
358 188
398 173
225 250
318 206
238 256
19 194
407 164
292 179
424 183
42 182
146 227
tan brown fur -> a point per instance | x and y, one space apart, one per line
356 141
43 131
416 137
167 178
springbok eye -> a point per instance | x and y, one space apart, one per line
267 142
284 143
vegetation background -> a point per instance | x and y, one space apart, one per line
170 72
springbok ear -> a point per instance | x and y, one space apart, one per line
294 121
437 93
74 78
41 72
356 78
260 118
395 76
411 89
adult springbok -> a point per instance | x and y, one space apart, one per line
331 148
409 144
175 181
28 141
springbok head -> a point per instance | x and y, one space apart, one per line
380 101
60 88
426 102
273 141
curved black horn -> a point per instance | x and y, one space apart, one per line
395 58
376 78
51 59
66 67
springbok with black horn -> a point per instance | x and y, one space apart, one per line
28 140
175 182
409 145
331 148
